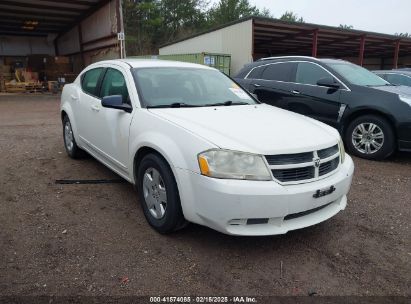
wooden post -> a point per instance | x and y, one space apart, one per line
315 43
362 49
396 54
80 40
252 41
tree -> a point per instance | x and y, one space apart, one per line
181 18
405 35
231 10
292 17
151 23
141 22
346 27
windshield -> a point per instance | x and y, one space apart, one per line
357 75
178 87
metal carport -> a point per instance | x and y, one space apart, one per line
252 38
273 37
84 30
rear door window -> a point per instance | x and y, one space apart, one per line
279 71
309 73
90 81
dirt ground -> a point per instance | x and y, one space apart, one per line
94 240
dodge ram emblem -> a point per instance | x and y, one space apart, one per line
317 162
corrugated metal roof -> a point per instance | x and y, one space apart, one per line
43 17
284 37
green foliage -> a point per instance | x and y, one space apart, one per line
292 17
346 26
142 21
151 23
231 10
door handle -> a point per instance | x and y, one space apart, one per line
95 108
256 85
295 92
73 97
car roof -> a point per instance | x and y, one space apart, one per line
147 63
287 57
325 60
397 71
268 60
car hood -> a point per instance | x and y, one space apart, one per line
400 90
261 129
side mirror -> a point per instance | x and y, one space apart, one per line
329 83
116 102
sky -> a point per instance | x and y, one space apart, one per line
383 16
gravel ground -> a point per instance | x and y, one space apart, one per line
94 240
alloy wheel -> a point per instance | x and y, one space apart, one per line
367 138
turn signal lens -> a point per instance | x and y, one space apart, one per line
204 168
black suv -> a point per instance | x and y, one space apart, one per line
372 115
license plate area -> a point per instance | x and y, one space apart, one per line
324 192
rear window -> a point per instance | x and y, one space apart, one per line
90 80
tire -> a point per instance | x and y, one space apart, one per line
158 194
69 141
370 137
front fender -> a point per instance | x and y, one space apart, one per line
163 145
66 107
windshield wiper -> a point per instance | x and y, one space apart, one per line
226 103
381 85
173 105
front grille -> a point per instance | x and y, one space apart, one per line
324 153
300 167
329 166
286 159
294 174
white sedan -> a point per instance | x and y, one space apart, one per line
201 149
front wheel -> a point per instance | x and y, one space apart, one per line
158 194
69 141
370 137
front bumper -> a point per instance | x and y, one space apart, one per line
235 206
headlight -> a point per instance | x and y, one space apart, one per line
233 165
405 98
342 150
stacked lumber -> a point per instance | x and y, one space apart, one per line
23 87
